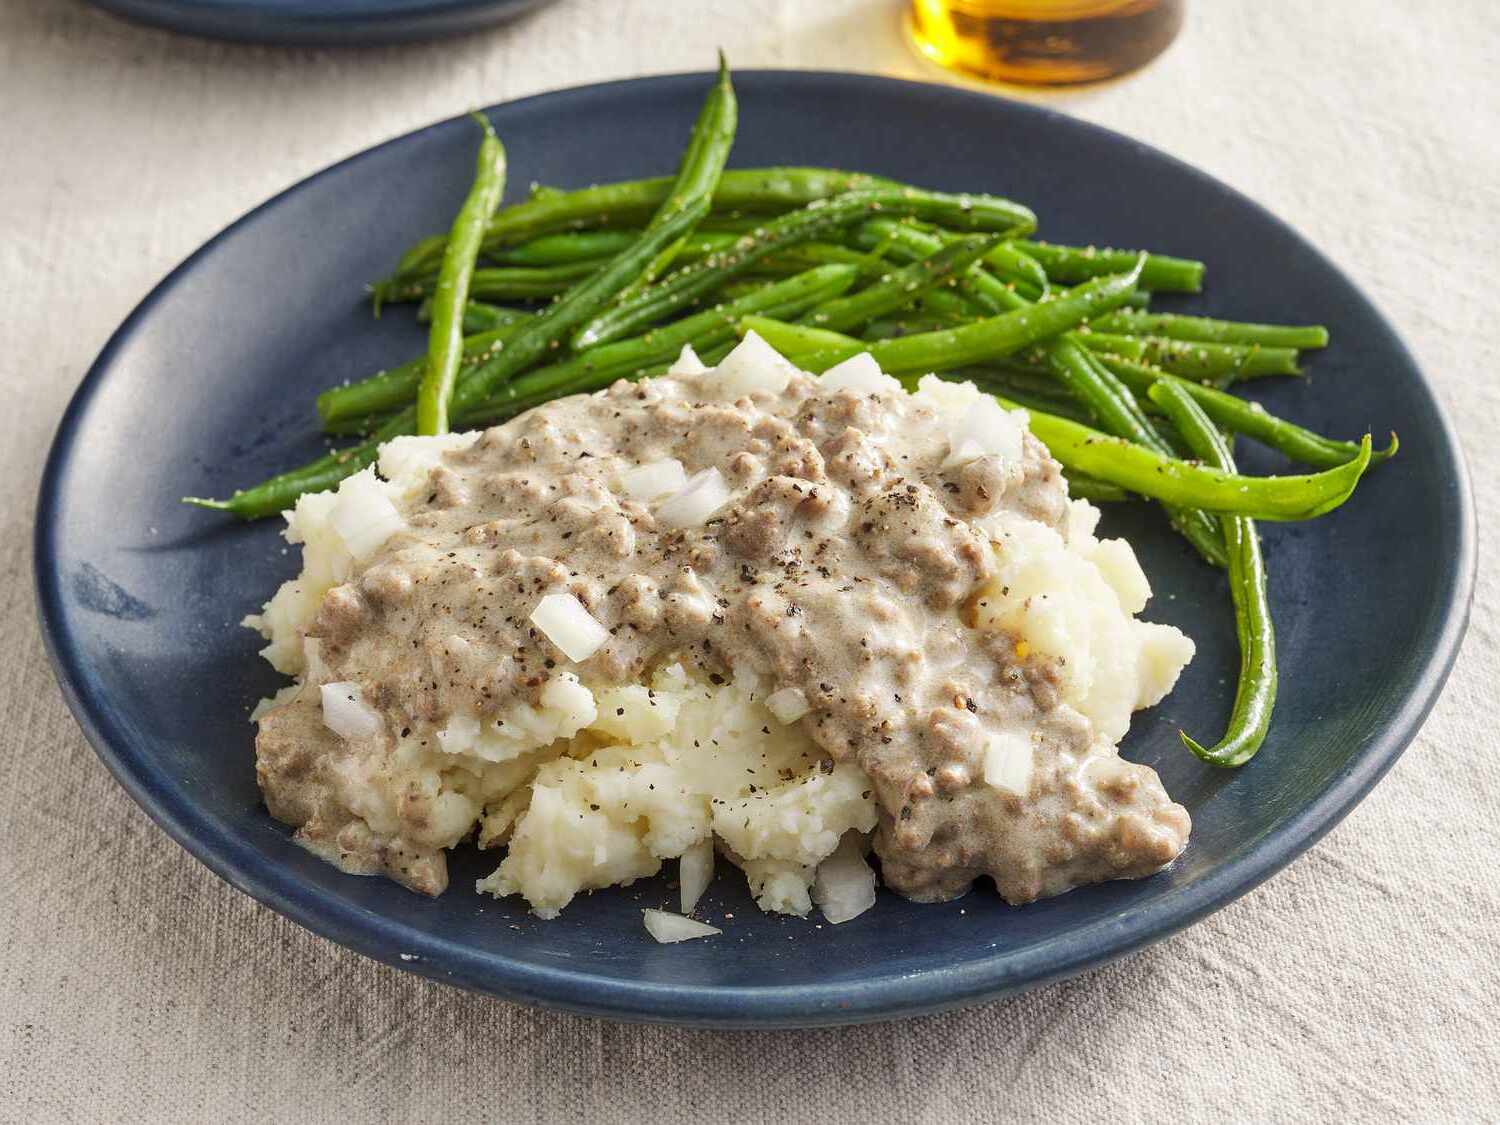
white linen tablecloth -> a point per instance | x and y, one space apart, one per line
1360 984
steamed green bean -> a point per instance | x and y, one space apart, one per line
445 346
1072 264
1198 359
1187 484
1203 329
1255 691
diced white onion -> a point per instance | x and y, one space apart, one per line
667 927
962 454
704 494
695 870
860 374
363 515
788 705
687 363
346 713
844 886
564 622
754 365
1007 762
994 429
654 480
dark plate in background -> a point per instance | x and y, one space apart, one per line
320 22
140 596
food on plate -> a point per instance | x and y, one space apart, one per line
739 608
779 547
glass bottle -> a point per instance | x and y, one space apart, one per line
1044 42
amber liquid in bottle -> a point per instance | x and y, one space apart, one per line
1044 42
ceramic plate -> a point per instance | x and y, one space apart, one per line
209 385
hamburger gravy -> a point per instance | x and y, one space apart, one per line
741 610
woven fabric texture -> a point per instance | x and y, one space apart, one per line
1359 985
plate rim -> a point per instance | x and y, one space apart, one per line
242 21
769 1006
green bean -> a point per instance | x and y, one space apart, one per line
364 425
989 294
398 385
908 324
978 290
685 204
684 207
741 287
1009 262
696 181
908 242
1013 264
986 339
281 492
530 275
795 259
498 283
1141 470
1084 487
1248 418
630 203
701 183
899 287
567 247
958 305
797 340
1102 394
1221 363
1073 264
1208 330
953 305
482 317
445 339
479 316
975 212
1131 347
734 222
1255 692
1139 299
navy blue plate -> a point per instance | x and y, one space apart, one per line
209 385
321 22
